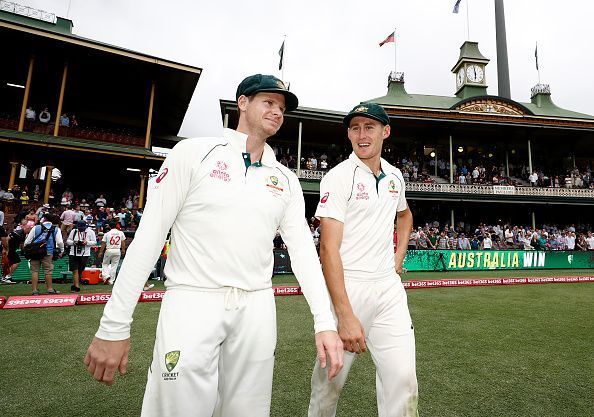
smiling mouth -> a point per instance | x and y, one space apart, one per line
363 145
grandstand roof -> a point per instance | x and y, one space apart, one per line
102 69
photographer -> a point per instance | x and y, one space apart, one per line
80 240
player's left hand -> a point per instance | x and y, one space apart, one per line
330 348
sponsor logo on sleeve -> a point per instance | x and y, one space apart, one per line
324 198
162 175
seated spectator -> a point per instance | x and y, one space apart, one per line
24 198
73 121
8 195
45 116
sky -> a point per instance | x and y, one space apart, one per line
332 57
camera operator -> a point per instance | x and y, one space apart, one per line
80 240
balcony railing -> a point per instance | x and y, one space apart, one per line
476 189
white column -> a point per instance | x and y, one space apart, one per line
436 161
529 157
507 163
226 120
451 162
299 149
533 220
452 219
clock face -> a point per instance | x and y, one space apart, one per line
475 74
460 77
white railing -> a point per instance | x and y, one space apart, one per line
475 189
309 174
38 14
499 190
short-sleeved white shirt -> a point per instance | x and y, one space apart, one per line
113 239
351 194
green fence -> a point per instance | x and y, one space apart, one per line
470 260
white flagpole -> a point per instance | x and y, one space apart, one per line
467 21
283 58
537 66
394 49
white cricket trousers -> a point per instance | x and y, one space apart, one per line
213 355
109 267
381 306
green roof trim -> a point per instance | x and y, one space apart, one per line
62 26
76 143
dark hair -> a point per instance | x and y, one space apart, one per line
51 218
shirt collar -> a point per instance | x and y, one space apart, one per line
238 141
385 166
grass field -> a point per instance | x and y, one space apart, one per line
481 351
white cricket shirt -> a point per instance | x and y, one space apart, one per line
113 239
223 214
351 194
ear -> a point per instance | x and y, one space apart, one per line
386 133
242 102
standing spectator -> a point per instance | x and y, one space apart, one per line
422 241
100 219
30 114
487 242
122 218
463 242
15 241
64 120
570 241
443 242
45 116
100 201
412 239
24 199
533 178
73 121
88 217
1 215
8 195
80 240
590 241
509 237
113 247
68 218
46 231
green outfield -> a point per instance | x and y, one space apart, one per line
523 350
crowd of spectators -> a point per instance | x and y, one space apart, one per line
501 237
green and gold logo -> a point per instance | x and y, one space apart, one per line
171 360
274 180
361 109
280 84
392 185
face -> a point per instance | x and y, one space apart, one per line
367 137
263 112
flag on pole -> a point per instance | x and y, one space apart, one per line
281 53
456 6
536 55
390 38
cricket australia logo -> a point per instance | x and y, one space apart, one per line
171 360
362 194
219 171
392 187
274 185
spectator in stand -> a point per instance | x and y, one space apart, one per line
24 199
463 242
412 240
432 237
73 121
100 201
68 219
422 240
1 215
570 241
8 195
80 240
590 241
581 243
443 242
47 229
67 197
88 217
31 216
30 114
45 116
122 217
64 120
41 211
454 241
533 179
509 237
487 242
15 241
100 219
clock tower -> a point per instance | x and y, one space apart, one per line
470 71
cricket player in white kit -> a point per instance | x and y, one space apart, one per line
113 246
360 199
223 199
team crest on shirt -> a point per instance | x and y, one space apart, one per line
274 185
392 187
362 194
219 171
171 360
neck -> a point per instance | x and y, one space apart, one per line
255 142
374 164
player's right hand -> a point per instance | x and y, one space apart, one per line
105 356
352 334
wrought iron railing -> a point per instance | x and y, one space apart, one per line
475 189
8 6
